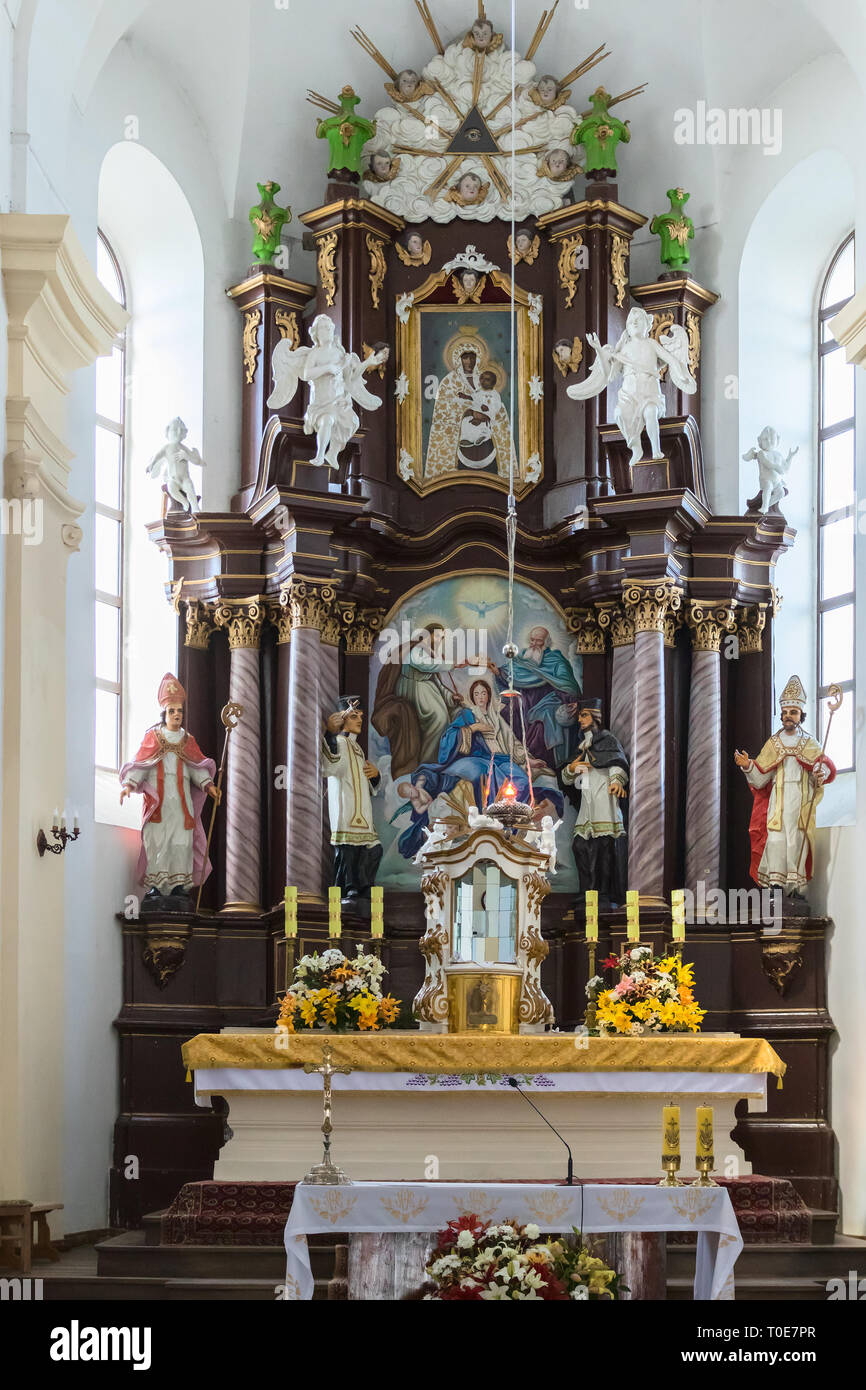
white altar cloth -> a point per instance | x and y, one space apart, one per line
402 1206
224 1081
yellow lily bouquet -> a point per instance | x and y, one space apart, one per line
331 992
654 994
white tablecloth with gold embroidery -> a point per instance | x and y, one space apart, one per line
404 1206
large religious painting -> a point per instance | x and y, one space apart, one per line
444 737
456 421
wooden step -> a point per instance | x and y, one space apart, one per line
820 1262
783 1290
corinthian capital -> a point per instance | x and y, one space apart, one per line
199 624
308 602
650 601
243 622
619 622
708 621
586 626
750 626
361 627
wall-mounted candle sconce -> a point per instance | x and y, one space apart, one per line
60 833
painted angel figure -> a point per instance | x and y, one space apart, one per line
772 467
171 465
335 378
638 358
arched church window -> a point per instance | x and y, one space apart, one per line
836 508
109 441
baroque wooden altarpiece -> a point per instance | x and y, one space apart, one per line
282 603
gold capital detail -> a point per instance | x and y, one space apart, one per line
673 621
327 264
618 265
376 248
332 630
287 322
308 602
618 621
584 623
199 625
569 275
750 627
252 319
281 618
708 622
661 323
243 621
650 602
362 626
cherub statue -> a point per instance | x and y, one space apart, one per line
336 379
172 462
478 821
436 836
772 468
639 359
545 840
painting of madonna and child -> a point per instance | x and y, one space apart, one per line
439 726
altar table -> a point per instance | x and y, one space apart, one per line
399 1208
416 1099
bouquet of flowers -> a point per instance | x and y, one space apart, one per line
331 991
476 1260
654 994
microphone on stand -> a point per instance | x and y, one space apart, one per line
569 1181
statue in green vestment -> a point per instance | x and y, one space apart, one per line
346 133
599 132
268 221
676 229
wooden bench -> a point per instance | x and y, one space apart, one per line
41 1245
15 1235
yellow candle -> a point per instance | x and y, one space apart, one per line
632 915
592 915
377 922
334 925
291 903
678 914
704 1130
670 1131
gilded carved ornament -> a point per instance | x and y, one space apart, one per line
708 623
361 628
307 602
376 277
661 323
199 625
617 620
252 319
693 328
327 265
243 621
584 623
750 627
619 266
286 321
569 274
650 603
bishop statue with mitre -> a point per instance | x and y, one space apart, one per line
173 776
787 781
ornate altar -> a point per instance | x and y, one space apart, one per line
482 946
388 574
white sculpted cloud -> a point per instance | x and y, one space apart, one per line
406 193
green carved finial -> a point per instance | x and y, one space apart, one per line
346 133
599 132
676 229
268 221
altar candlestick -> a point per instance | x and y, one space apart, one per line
670 1131
55 818
678 914
632 915
291 901
63 819
591 914
335 929
704 1124
377 906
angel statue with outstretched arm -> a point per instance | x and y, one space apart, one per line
335 378
639 360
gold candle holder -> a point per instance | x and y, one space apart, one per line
704 1164
589 1018
670 1163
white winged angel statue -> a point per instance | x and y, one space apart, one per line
335 378
639 359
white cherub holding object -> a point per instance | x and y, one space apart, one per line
639 359
435 837
772 468
172 463
478 821
545 840
336 380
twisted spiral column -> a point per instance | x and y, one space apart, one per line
704 760
619 623
648 604
308 605
243 802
